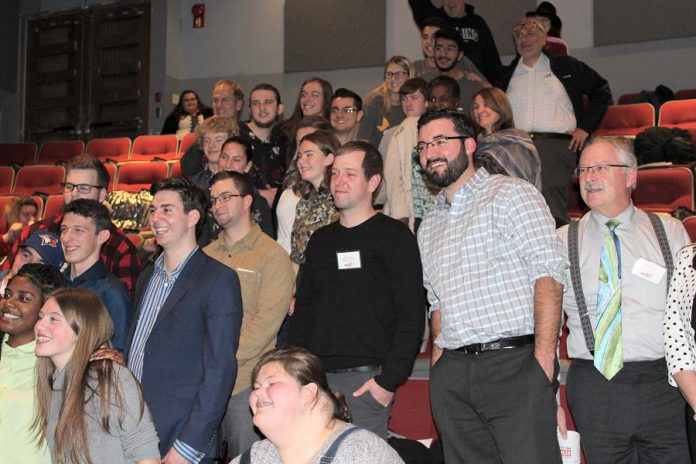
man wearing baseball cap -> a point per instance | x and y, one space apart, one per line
41 247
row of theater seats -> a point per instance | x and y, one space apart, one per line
131 176
684 94
632 119
116 150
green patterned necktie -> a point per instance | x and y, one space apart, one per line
608 354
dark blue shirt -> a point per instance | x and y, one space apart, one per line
113 293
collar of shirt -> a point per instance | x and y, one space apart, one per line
247 242
476 182
542 65
626 218
159 266
8 351
95 272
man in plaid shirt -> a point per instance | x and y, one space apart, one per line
88 178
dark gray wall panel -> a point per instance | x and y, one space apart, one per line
334 34
626 21
501 16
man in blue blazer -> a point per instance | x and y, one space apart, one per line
184 338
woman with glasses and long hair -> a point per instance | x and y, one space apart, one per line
383 103
88 411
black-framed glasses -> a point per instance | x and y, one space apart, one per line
599 169
346 110
397 74
437 141
224 198
82 188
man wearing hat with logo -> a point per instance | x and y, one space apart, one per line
41 247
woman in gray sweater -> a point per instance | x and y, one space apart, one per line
88 411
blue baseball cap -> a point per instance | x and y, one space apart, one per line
47 245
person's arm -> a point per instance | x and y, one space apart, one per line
435 329
137 432
422 10
598 93
261 324
533 235
406 289
397 197
119 306
548 295
686 381
171 124
223 317
489 52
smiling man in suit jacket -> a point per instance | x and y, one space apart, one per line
183 342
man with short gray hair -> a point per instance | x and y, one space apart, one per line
620 266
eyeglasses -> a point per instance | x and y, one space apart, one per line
436 142
396 74
597 169
224 198
526 30
82 188
346 110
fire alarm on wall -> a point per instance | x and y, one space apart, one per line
198 11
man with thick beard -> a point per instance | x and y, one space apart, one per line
494 271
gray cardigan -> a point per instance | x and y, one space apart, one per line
134 441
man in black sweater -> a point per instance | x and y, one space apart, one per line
360 304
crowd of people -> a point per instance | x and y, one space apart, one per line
294 268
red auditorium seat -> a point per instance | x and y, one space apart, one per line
628 98
576 205
627 120
40 205
60 150
186 142
54 205
112 169
679 113
411 416
39 178
7 177
116 150
149 147
690 226
19 153
685 94
134 177
175 169
664 189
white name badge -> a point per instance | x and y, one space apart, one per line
348 260
648 270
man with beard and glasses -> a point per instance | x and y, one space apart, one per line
266 139
450 61
494 271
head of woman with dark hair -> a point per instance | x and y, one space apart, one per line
23 297
490 109
290 388
189 103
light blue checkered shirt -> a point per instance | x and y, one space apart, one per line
482 256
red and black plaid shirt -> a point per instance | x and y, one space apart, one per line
118 254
